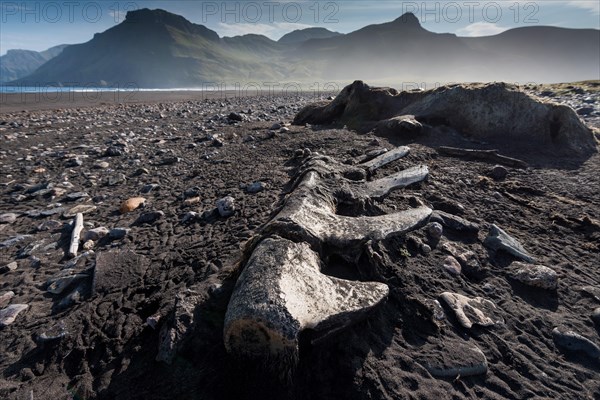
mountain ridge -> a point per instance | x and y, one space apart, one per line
155 48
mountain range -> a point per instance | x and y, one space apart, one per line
155 48
19 63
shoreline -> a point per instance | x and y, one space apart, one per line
25 102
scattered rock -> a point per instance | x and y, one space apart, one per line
101 165
88 245
55 332
5 298
472 311
62 281
236 117
116 179
226 206
50 225
149 188
8 218
499 240
190 216
149 217
255 187
452 265
12 266
113 151
76 196
118 233
453 360
572 341
498 173
534 275
95 234
132 204
9 314
435 230
14 240
191 201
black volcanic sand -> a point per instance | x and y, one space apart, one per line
109 350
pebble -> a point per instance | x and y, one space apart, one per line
12 266
14 240
118 233
189 217
573 341
50 225
95 234
8 218
101 165
191 201
5 298
55 332
425 249
435 230
149 217
534 275
149 188
76 196
498 173
452 265
132 204
88 245
10 313
65 278
255 187
113 151
236 117
226 206
116 179
455 360
275 126
152 321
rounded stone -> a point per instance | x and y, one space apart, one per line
498 173
435 230
226 206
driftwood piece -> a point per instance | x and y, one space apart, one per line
75 233
491 156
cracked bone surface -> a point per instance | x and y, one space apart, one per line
282 291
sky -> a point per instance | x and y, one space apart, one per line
39 25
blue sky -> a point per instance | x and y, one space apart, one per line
38 25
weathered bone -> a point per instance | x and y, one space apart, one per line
386 158
282 292
384 186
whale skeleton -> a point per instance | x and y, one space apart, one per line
281 290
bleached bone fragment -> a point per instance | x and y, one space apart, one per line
77 227
472 311
282 292
499 240
386 158
382 187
